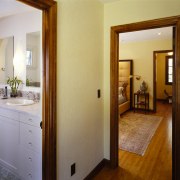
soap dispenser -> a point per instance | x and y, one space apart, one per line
5 94
6 91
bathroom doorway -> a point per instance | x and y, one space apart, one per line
48 38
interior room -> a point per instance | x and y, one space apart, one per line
141 124
20 91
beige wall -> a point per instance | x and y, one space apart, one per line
142 55
79 75
160 83
123 12
81 71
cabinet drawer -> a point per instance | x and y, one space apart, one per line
31 137
9 114
31 165
30 119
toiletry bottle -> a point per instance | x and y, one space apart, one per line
5 91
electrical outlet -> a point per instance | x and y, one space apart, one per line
73 169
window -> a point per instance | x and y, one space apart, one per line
169 70
28 58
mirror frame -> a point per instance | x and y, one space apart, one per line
49 50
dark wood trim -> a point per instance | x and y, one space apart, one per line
143 25
49 46
141 110
114 71
157 23
176 103
131 79
39 4
97 169
163 101
160 99
154 76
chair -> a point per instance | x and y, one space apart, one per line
168 97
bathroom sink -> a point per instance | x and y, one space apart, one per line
19 102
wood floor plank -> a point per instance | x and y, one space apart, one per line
156 164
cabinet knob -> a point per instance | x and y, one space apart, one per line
30 143
30 131
30 159
30 175
30 120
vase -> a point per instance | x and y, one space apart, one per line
13 93
143 87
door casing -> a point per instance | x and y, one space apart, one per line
114 51
49 50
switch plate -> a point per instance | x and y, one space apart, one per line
98 93
73 169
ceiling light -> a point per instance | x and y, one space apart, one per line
170 53
159 33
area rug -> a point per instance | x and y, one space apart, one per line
136 131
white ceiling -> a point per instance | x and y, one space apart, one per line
159 33
11 7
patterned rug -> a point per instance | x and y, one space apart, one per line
136 131
6 174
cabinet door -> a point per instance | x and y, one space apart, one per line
9 142
30 152
30 164
31 137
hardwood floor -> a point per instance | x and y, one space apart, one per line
156 164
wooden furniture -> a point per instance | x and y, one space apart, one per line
141 101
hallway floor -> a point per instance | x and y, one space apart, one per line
156 164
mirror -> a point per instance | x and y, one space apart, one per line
6 58
33 56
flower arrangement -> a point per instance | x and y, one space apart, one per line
14 83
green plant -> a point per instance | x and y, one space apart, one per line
14 83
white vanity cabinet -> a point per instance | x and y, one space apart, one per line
9 139
21 143
30 147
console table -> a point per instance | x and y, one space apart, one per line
141 101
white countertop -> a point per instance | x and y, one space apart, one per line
33 109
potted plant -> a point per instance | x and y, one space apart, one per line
14 84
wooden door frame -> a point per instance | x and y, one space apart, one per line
114 57
154 76
49 50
